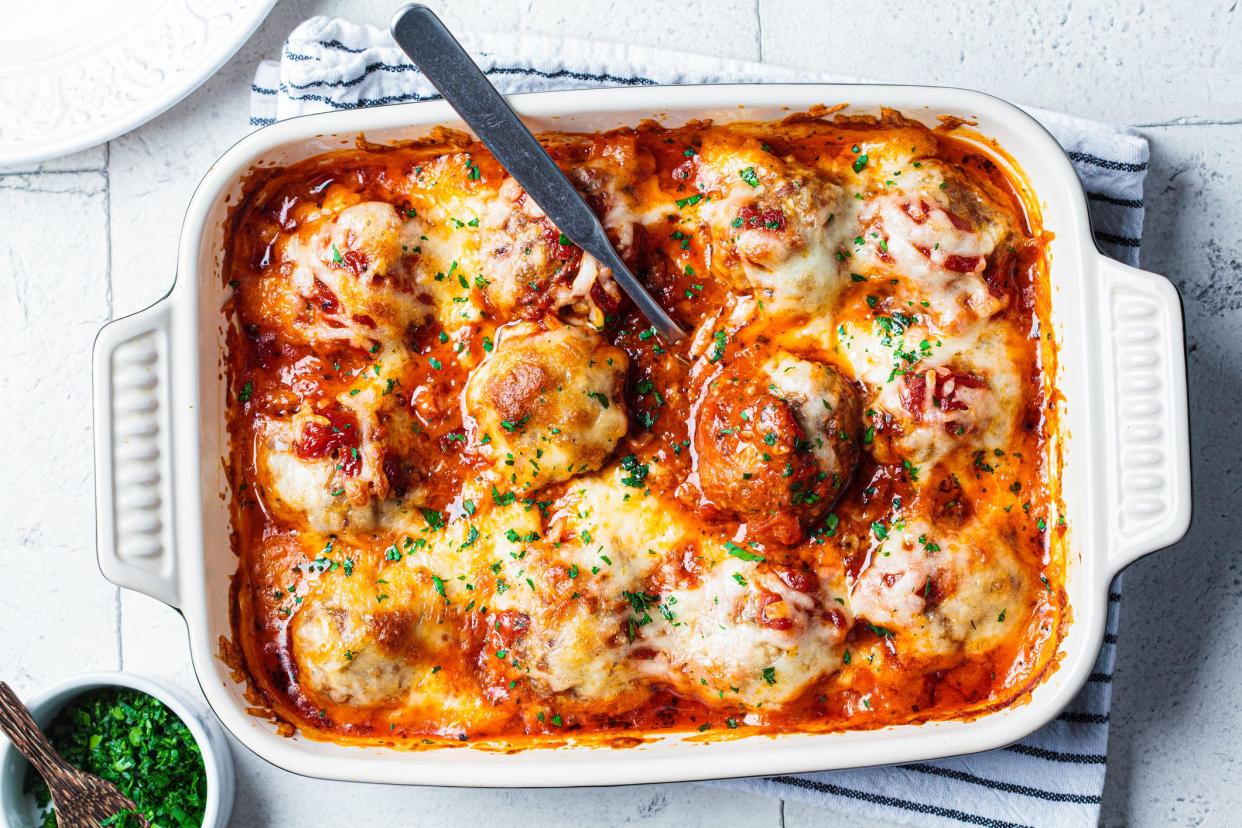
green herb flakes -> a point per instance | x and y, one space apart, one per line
135 742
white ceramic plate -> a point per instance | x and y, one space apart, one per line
76 73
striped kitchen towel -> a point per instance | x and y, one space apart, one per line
1054 777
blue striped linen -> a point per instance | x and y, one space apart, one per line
1053 778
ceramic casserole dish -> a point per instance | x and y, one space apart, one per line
161 440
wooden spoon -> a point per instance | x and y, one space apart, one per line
81 799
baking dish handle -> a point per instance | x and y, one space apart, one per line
1145 407
133 462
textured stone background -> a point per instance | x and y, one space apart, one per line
94 235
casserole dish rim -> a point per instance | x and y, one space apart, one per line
179 579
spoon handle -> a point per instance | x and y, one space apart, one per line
20 727
444 62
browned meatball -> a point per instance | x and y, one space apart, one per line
547 404
776 445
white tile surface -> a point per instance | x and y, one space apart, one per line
57 613
1130 61
95 235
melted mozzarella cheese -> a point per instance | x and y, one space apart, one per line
912 231
743 635
942 591
353 274
574 644
601 550
882 358
318 489
779 221
546 405
341 659
314 490
814 394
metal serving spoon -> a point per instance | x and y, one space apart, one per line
443 61
81 799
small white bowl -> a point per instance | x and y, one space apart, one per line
18 810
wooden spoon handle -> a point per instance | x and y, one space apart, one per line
20 727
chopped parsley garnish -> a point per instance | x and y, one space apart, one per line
512 426
637 472
135 742
435 520
742 553
750 176
719 341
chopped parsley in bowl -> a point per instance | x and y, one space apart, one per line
161 749
134 741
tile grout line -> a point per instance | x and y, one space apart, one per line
108 301
1189 121
107 176
759 27
74 171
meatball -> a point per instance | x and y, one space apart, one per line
333 464
777 456
941 235
827 406
564 636
354 658
546 404
367 238
606 177
942 592
751 632
773 222
570 630
948 402
350 278
312 471
532 268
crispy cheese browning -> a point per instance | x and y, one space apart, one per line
477 499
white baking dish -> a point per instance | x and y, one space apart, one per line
160 439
